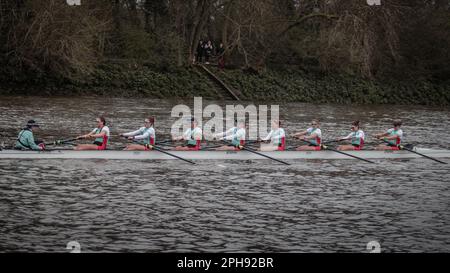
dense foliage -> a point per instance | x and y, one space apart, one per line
402 40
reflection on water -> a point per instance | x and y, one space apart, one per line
226 206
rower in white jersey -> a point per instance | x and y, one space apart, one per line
313 136
277 138
393 137
236 135
145 136
356 137
193 137
100 136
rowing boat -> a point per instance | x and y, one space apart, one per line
216 155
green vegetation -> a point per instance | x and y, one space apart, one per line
126 80
335 51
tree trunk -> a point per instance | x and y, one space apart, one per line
202 13
226 23
116 14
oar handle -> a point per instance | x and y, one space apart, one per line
59 142
309 142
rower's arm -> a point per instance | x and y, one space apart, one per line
230 137
186 135
392 137
381 135
350 136
226 134
313 136
88 135
132 134
198 136
143 136
300 134
278 136
268 137
220 135
177 138
101 134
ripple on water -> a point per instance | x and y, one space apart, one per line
311 206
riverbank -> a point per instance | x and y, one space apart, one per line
288 85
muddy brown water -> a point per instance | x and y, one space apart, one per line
227 206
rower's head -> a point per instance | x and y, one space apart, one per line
397 124
31 124
356 125
149 122
101 121
315 123
194 123
240 123
276 124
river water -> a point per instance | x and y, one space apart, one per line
226 206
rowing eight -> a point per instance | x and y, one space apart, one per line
216 155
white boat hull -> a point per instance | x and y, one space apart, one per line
216 155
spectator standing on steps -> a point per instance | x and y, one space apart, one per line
200 49
208 50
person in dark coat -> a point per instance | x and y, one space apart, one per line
208 51
200 49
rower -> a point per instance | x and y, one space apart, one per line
193 137
100 136
356 137
277 138
393 137
25 140
236 135
145 135
313 135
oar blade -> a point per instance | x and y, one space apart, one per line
404 148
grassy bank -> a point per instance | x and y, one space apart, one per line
137 80
291 85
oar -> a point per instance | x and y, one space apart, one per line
339 152
57 149
165 144
255 152
332 141
163 141
170 154
59 142
212 147
154 147
401 147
